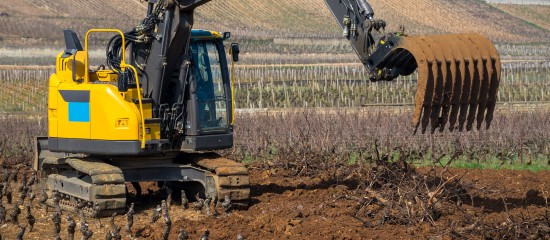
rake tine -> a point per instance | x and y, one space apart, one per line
437 95
467 83
458 83
428 82
485 84
450 79
424 61
494 76
476 83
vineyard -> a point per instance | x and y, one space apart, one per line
24 90
535 14
519 2
330 154
351 170
282 86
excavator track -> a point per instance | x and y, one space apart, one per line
83 182
458 78
70 203
232 178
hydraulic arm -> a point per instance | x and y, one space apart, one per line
458 75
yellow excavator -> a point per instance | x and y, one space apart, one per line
165 99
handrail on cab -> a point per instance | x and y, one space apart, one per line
123 67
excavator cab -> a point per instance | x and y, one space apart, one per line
209 124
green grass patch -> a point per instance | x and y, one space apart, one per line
539 163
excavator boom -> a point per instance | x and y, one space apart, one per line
458 75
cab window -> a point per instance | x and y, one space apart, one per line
211 95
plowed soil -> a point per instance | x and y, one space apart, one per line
286 207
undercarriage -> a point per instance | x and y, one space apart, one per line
83 181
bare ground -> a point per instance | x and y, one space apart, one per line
286 207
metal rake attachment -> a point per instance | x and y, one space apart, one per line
458 78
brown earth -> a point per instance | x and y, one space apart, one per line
313 208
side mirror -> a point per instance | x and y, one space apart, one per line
226 35
123 81
234 51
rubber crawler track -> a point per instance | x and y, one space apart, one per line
107 188
108 185
232 178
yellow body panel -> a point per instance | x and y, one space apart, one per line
64 66
152 130
104 76
109 111
111 116
66 128
52 106
104 114
148 110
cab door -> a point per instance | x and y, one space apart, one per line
211 87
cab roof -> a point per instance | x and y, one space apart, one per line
200 33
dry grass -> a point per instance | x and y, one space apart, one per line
536 14
29 23
308 141
465 16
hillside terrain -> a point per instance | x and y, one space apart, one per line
464 16
523 2
39 22
535 14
